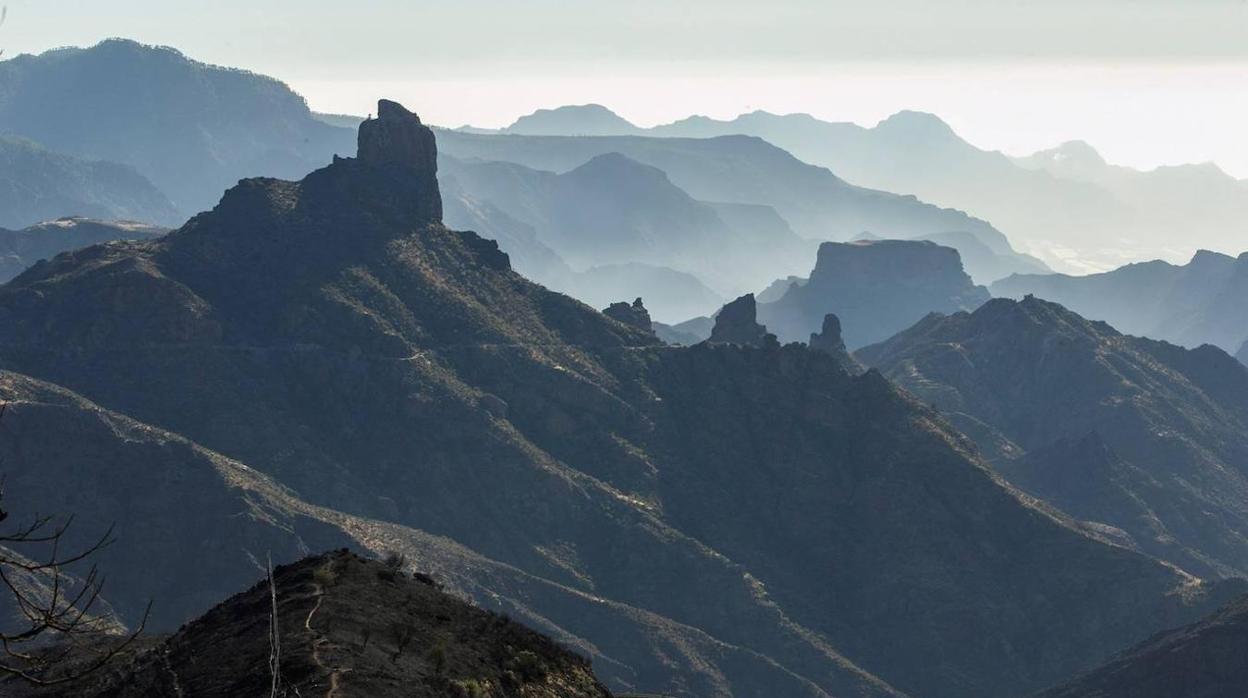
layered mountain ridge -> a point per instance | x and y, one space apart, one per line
744 518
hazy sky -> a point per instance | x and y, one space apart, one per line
1147 82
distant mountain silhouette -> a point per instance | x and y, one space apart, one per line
1067 197
1242 355
735 169
582 120
21 248
1208 659
1201 302
714 520
876 288
38 185
616 213
1146 441
191 128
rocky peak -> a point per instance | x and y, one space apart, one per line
397 139
737 323
634 315
828 340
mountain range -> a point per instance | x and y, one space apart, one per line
1066 205
709 520
193 129
1201 302
1145 441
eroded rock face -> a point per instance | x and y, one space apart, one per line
635 315
737 324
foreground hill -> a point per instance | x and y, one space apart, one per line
876 287
1201 302
1207 659
756 520
21 248
352 627
38 185
193 129
1145 440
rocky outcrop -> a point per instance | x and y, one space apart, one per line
876 287
634 315
737 323
828 340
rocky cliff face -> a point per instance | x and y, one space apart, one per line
876 287
1208 658
711 520
1139 437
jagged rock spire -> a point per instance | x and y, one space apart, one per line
737 323
397 139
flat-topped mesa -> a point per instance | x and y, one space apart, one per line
737 323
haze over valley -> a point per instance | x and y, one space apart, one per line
360 400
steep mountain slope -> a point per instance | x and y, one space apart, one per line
21 248
1201 302
768 522
38 185
1141 436
353 627
191 525
735 169
1243 354
614 211
876 288
191 128
1207 659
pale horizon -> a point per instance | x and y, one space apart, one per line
1148 83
